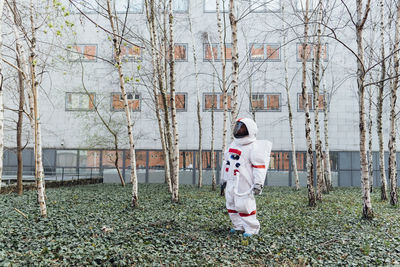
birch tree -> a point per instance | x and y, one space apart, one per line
198 104
361 18
116 40
290 112
393 99
381 86
235 62
304 93
1 98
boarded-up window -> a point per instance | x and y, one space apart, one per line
269 52
214 52
312 48
180 101
79 101
84 52
265 101
109 157
180 52
311 103
215 101
117 102
130 52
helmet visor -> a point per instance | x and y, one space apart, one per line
240 130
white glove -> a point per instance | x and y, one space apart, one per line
257 189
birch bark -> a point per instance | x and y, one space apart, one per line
381 86
366 198
235 63
118 65
1 99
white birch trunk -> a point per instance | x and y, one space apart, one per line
327 158
156 59
393 99
380 106
366 197
309 158
235 63
117 57
39 172
370 163
198 105
221 36
175 147
214 180
290 112
1 98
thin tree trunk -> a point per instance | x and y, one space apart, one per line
290 112
175 147
39 173
316 83
380 107
19 126
214 180
393 99
1 100
235 63
366 197
117 57
224 87
370 165
309 158
198 105
327 158
156 59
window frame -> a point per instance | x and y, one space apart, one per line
122 109
265 10
186 52
218 59
130 11
127 58
180 11
80 109
299 59
265 45
312 107
177 109
82 55
219 95
251 109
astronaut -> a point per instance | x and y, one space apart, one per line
243 173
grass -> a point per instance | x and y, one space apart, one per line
94 225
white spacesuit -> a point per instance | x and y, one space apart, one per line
244 169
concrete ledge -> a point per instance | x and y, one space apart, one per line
51 184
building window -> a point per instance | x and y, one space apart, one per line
211 6
180 52
311 52
180 6
268 52
265 6
130 52
79 101
180 101
117 102
215 101
301 5
311 104
82 52
265 102
85 6
130 6
214 52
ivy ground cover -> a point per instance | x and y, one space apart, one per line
94 225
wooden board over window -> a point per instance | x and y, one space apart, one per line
269 52
265 102
117 102
311 52
214 52
84 52
215 101
180 52
311 103
130 52
180 101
